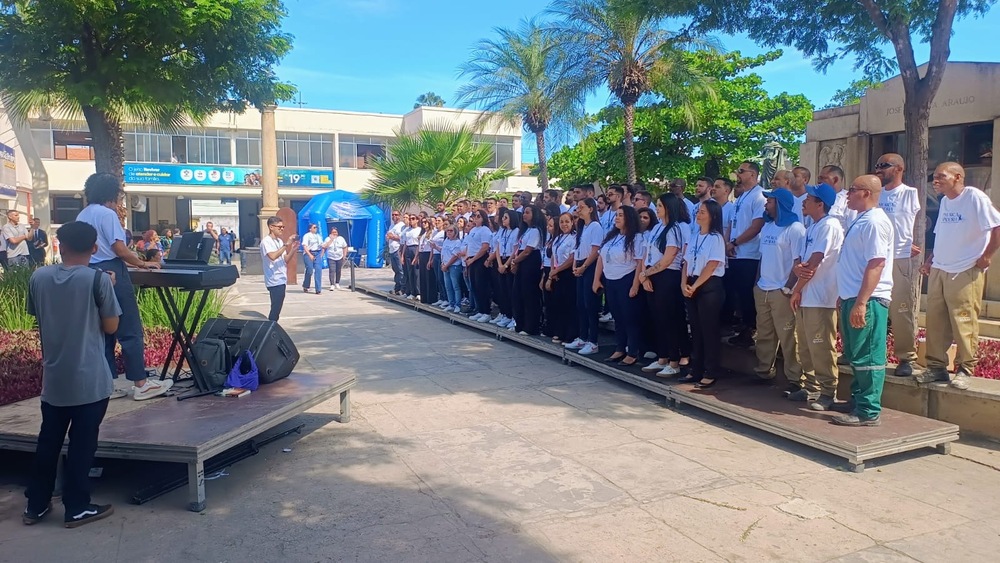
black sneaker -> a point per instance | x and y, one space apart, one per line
791 389
844 407
853 419
802 395
903 369
30 517
742 340
92 513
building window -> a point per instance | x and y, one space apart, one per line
72 145
308 150
359 152
503 151
64 209
209 147
145 146
248 148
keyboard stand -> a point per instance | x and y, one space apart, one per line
183 330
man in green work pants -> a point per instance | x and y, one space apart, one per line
864 284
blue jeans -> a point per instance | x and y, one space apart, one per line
588 304
452 283
626 311
314 271
225 257
129 333
439 277
397 271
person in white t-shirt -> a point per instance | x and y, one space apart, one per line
744 248
336 249
589 237
312 253
703 191
814 298
902 204
526 268
620 255
968 228
393 245
864 285
781 241
274 255
834 176
701 285
797 185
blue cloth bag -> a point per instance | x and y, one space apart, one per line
244 373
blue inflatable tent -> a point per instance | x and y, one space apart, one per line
361 223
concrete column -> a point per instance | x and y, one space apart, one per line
269 166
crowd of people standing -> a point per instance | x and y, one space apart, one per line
784 269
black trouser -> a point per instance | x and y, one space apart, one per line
744 271
505 290
562 317
277 293
428 281
336 266
83 423
527 297
626 311
480 285
728 314
703 312
546 305
666 305
409 254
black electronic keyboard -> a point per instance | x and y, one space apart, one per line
190 276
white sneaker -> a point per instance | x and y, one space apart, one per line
575 345
605 318
655 366
118 394
668 371
650 355
484 318
588 349
152 388
510 324
337 286
500 320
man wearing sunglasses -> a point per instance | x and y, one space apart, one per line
274 255
902 203
393 245
864 285
744 248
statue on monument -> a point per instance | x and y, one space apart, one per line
774 157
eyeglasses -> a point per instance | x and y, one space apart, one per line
278 226
852 189
883 166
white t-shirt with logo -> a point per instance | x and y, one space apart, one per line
779 247
841 212
396 229
531 237
676 237
451 248
901 204
869 237
748 207
963 230
826 237
335 250
618 261
312 241
275 271
592 235
476 238
701 250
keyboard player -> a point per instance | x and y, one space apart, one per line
104 193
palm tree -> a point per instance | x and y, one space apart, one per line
525 76
430 166
429 99
627 49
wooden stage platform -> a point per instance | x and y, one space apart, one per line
189 431
740 398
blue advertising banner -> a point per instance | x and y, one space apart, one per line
207 175
8 172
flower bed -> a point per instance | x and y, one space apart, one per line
21 361
989 354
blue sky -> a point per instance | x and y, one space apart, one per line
379 55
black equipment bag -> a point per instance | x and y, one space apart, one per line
214 363
270 345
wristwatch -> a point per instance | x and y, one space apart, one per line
787 291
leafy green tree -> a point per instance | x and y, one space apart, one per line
853 93
628 50
850 28
429 99
526 77
123 61
430 166
738 121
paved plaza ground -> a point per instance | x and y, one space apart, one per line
463 448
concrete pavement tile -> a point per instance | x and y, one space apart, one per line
466 381
740 457
873 510
972 542
874 554
539 376
648 472
567 433
469 409
394 391
626 535
658 423
473 449
604 397
387 425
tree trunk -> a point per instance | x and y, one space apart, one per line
630 142
916 115
109 148
543 161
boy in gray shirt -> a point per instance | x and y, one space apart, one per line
75 306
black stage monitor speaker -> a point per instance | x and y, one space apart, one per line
270 345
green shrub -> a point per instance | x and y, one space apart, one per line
153 314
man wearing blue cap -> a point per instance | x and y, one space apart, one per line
864 284
781 240
814 299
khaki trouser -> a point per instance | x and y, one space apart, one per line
953 304
776 325
817 334
904 309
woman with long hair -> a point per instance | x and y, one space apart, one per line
526 266
451 269
621 254
647 222
561 285
589 236
505 243
551 230
701 284
661 279
425 263
437 240
478 244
